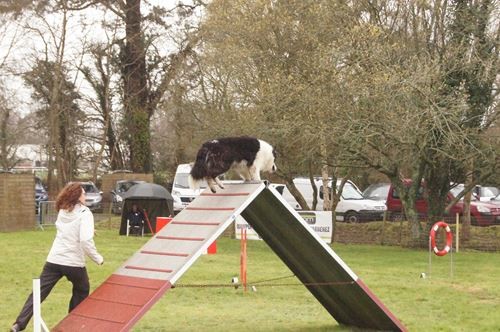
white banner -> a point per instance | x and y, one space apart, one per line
319 221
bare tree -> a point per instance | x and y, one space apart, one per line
142 88
285 85
413 109
101 83
8 147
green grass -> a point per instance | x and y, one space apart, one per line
470 301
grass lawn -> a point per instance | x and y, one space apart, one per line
470 301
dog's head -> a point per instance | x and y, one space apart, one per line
269 164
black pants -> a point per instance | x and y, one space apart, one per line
48 279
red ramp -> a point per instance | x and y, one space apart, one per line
128 294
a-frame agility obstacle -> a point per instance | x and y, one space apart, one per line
131 291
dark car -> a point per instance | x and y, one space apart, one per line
121 187
41 194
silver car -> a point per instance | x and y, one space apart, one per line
93 195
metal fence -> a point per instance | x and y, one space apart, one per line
46 215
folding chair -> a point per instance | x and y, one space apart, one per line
137 229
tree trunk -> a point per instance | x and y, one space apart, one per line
466 225
296 193
327 206
4 120
137 117
408 195
313 185
437 188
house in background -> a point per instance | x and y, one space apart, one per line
31 158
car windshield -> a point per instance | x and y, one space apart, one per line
455 191
377 191
350 192
125 186
181 181
489 191
90 188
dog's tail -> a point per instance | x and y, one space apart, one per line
199 169
194 183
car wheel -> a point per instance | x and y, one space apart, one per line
397 216
351 217
473 221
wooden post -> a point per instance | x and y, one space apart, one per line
243 258
457 235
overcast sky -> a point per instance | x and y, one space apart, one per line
20 46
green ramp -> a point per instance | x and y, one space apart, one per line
316 265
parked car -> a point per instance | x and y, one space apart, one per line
482 213
352 207
181 192
121 187
486 193
496 200
41 194
93 196
377 191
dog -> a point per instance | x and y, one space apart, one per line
247 156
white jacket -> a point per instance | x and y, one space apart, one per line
74 239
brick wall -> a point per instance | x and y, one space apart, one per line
17 202
109 181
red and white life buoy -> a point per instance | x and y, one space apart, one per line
449 238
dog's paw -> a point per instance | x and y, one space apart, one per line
213 190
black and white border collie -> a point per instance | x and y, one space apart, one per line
248 156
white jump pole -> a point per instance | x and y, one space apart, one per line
38 323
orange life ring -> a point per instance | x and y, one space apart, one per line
449 238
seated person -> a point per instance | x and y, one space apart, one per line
136 220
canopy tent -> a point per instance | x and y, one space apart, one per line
150 198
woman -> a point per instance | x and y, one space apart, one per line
74 240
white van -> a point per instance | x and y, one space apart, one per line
181 192
352 207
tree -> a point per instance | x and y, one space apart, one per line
8 135
101 83
471 62
59 115
284 85
145 75
412 107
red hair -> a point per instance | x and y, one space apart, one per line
69 196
